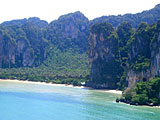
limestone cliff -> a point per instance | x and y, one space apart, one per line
22 45
27 42
7 50
103 56
134 77
155 52
139 55
147 46
135 55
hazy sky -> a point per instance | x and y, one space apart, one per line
51 9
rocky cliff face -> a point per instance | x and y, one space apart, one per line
138 49
7 51
155 52
22 45
103 56
24 53
148 48
138 57
17 54
134 77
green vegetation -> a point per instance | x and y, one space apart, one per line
32 49
125 49
22 46
142 41
69 31
124 32
145 93
61 67
139 60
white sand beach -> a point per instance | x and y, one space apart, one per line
42 83
51 84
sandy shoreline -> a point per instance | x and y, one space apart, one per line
114 91
51 84
41 83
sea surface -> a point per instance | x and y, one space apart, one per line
28 101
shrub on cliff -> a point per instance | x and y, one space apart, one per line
145 92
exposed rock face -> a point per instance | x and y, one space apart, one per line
22 46
134 77
7 50
139 51
140 43
103 56
15 54
155 64
152 50
24 53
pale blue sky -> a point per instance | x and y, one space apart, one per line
51 9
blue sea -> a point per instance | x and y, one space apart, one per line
30 101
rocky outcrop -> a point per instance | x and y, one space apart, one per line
103 56
134 77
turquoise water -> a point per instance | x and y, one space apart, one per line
28 101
